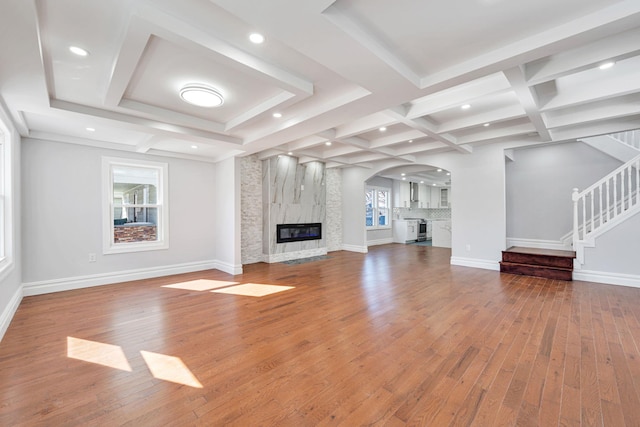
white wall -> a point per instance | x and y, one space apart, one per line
539 185
11 278
353 209
62 214
477 198
226 216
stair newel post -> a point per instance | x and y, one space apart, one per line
575 196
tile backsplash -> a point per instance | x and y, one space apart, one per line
435 213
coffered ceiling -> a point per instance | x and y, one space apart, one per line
357 82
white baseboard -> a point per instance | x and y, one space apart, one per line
380 241
476 263
539 244
607 278
9 311
233 269
69 283
355 248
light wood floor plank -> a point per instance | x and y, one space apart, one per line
393 337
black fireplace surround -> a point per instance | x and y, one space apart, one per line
287 233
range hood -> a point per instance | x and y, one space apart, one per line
413 191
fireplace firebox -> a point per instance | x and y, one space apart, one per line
287 233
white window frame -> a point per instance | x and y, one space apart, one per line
375 225
162 242
6 200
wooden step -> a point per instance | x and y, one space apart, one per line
547 263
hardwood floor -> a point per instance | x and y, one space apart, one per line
395 337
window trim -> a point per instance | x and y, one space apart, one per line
108 246
375 226
6 193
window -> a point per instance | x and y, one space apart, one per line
136 206
6 218
377 207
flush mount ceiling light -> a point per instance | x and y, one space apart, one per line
486 125
607 65
256 38
382 129
277 115
78 51
194 147
201 95
466 106
328 143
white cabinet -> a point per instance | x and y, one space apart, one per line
405 231
423 196
401 194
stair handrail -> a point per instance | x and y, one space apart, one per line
600 207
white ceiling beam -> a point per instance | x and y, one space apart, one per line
362 125
428 129
458 95
528 99
511 131
617 17
307 142
623 106
340 16
622 84
146 144
143 125
397 138
493 116
616 47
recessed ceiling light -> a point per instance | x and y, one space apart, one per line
448 173
433 184
277 115
256 38
486 125
410 141
78 51
439 170
290 153
466 106
607 65
382 129
421 182
201 95
328 143
194 146
403 174
404 179
91 129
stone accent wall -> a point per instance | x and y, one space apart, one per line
292 193
333 227
251 210
134 233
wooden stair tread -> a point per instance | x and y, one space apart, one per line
547 263
538 251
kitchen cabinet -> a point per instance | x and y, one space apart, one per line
424 195
401 194
405 231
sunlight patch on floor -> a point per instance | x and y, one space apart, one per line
98 353
170 368
200 285
253 289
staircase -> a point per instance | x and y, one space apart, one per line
608 202
547 263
